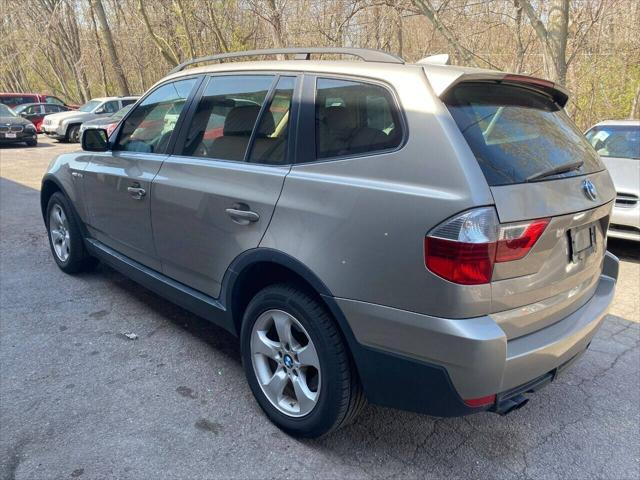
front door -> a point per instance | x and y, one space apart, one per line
117 184
214 198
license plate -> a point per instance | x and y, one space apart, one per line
583 241
10 135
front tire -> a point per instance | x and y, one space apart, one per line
73 134
297 364
65 236
32 143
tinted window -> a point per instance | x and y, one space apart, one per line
354 118
622 141
517 134
111 107
225 117
18 99
53 109
129 101
270 141
149 126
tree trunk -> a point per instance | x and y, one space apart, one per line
553 36
635 106
166 51
103 72
123 87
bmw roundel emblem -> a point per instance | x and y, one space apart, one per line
589 190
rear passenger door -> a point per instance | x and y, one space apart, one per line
214 197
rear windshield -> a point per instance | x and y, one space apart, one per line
518 134
622 141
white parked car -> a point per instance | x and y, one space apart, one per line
618 143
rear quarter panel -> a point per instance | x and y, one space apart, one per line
359 223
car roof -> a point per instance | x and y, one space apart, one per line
104 99
621 123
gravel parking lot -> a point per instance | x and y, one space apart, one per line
80 400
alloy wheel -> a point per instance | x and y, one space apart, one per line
59 232
285 362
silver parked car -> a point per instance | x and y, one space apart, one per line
618 143
425 237
65 126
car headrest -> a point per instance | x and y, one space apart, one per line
339 118
240 120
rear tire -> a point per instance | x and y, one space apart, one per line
308 401
65 236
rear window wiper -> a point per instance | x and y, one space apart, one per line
564 168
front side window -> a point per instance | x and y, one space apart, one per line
226 114
354 118
149 126
622 141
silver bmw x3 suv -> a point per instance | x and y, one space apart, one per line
424 236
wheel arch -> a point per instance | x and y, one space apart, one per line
50 185
257 268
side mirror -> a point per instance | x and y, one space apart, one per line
100 111
95 140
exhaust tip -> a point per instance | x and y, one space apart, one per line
511 404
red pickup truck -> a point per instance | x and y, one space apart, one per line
12 100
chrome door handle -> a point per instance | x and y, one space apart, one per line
137 192
242 217
77 174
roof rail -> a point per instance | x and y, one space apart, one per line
366 54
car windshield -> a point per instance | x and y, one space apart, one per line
6 111
90 106
21 108
622 141
519 134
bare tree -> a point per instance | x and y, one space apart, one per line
123 86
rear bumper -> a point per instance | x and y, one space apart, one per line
625 223
436 358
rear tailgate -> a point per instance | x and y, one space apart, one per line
538 166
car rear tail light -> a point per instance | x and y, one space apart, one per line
481 402
465 248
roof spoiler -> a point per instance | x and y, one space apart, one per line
443 81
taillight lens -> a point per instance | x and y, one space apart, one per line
515 240
464 249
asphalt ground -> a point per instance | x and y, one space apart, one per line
78 399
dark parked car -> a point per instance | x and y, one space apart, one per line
15 129
35 112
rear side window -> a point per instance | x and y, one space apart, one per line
518 134
622 141
226 114
13 100
354 118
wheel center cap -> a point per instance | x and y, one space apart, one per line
288 361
